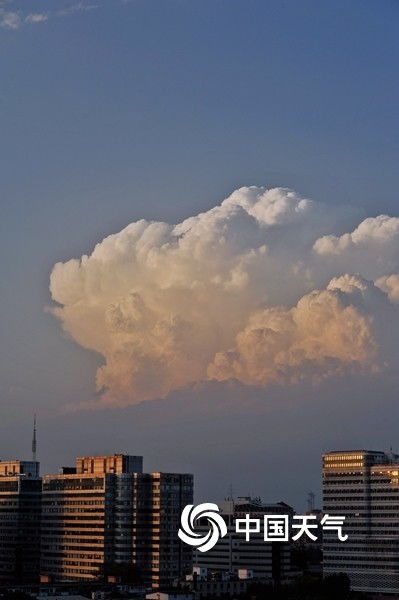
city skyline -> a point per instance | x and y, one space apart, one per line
200 235
108 522
122 460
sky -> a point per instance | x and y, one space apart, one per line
116 111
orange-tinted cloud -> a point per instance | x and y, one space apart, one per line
241 291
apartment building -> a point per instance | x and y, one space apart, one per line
106 511
20 505
363 486
77 525
159 499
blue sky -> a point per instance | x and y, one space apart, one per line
158 109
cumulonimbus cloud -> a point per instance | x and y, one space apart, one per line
261 288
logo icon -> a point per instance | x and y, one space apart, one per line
187 533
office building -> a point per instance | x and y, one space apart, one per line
20 496
363 486
159 499
266 560
106 512
77 525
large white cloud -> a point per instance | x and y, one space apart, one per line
371 249
324 334
241 291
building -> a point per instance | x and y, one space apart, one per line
266 560
77 526
216 584
116 463
159 499
169 596
363 486
29 469
20 505
108 512
87 515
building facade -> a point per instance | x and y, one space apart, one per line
107 512
363 486
77 526
159 499
266 560
20 507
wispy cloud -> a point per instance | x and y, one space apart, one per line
36 18
75 8
10 19
14 19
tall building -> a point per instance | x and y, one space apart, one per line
108 512
20 496
159 499
363 486
77 525
266 560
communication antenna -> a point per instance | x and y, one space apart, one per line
34 440
231 496
311 498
